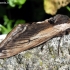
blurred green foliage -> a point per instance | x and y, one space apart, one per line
13 3
68 8
7 27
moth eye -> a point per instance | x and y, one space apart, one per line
51 20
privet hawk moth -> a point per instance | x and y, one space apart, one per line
25 36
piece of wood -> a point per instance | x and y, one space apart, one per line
23 37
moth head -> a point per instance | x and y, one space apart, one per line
58 19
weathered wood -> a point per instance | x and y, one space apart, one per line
23 37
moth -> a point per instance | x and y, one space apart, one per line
26 36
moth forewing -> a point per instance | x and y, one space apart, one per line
23 37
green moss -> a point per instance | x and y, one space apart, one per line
40 62
28 55
53 55
55 68
50 50
47 66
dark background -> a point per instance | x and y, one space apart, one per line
31 11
